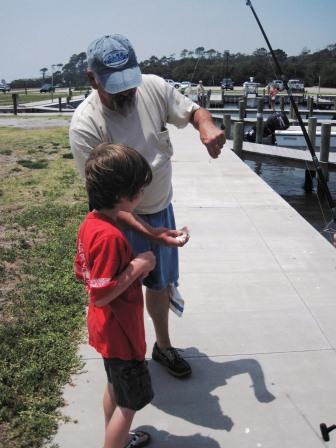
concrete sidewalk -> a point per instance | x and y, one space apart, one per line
259 324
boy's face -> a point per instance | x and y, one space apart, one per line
128 205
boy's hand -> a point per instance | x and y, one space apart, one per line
145 262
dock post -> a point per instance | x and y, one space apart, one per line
241 109
282 103
59 104
310 174
238 137
312 121
291 111
259 128
227 125
15 98
325 148
260 105
310 104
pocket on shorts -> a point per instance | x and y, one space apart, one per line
137 385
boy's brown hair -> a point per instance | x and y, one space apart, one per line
113 172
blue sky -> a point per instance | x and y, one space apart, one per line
36 33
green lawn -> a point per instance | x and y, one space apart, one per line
42 308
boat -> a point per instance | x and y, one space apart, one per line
293 138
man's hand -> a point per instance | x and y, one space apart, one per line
168 237
212 137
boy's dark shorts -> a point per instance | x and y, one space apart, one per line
131 382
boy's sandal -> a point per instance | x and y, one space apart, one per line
139 438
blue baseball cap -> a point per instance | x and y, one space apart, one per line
113 61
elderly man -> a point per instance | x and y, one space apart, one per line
133 109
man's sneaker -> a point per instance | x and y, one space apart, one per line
172 360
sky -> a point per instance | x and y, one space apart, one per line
36 33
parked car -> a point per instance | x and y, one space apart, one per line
173 83
278 83
251 87
47 88
296 85
227 84
4 87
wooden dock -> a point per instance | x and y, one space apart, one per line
279 155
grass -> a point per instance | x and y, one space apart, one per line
42 308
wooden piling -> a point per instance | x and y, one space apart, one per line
241 109
259 128
325 148
238 137
260 105
310 174
291 111
227 125
15 98
312 121
310 105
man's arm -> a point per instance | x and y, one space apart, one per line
212 137
160 235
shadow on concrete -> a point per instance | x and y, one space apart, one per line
162 439
192 398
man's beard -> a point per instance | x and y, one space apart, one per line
123 104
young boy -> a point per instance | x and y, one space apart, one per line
115 179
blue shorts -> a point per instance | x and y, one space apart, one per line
166 270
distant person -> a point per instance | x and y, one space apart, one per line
273 93
200 93
112 277
133 109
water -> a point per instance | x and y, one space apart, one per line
288 183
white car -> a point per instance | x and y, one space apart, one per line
278 83
4 87
296 85
173 83
251 87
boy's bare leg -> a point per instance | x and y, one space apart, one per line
117 427
109 403
157 302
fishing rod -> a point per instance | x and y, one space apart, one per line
331 227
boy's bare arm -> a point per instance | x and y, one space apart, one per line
160 235
140 266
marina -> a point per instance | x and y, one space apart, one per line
259 284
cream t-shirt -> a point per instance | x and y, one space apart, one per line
143 128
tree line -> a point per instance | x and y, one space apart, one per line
211 66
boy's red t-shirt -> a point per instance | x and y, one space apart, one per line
115 330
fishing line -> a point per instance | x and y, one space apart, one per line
331 226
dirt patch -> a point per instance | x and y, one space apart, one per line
35 122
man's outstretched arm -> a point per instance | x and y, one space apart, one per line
160 235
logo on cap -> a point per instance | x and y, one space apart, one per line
116 58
